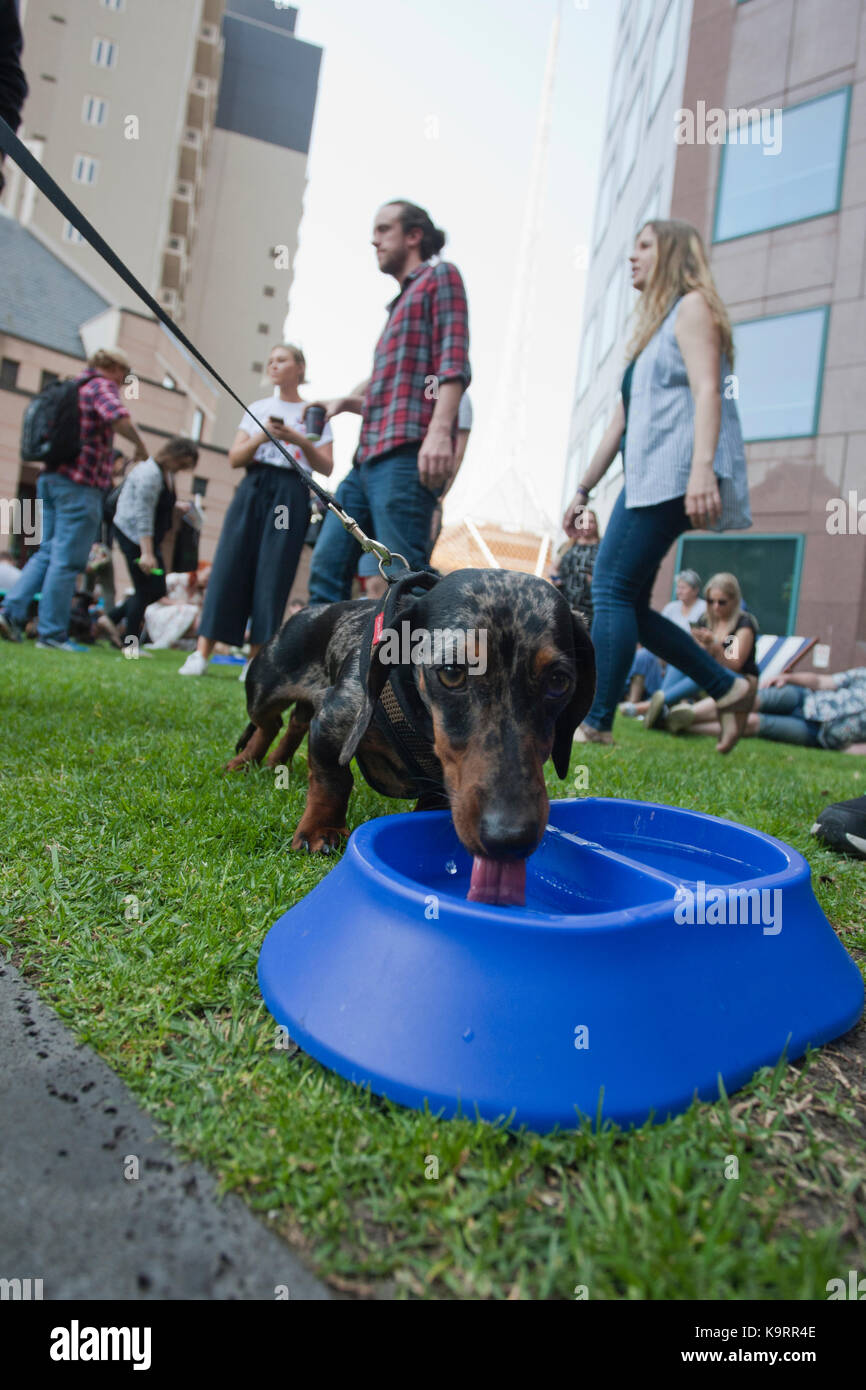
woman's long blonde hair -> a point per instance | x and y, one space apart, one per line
681 265
729 585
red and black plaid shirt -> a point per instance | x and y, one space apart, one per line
99 406
425 342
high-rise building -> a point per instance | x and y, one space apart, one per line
181 130
747 120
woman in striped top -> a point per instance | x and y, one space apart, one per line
684 466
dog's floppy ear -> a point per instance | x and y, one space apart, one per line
401 599
579 704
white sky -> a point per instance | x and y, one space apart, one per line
391 70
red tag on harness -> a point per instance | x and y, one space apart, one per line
377 627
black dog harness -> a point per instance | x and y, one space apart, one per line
404 721
399 713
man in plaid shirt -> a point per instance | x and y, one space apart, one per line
72 499
405 456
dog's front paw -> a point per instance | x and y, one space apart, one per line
237 763
319 841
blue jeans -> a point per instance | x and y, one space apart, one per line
390 504
646 665
780 716
678 687
70 514
634 545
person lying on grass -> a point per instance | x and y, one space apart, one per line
812 710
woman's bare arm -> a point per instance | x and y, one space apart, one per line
698 337
600 462
245 445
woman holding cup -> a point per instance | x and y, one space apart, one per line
264 528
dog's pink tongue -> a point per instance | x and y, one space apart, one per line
499 881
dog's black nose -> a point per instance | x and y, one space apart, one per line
506 837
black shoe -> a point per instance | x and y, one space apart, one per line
842 826
9 628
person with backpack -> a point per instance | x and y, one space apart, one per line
69 427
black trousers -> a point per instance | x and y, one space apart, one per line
257 557
148 587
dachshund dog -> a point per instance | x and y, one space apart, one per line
455 691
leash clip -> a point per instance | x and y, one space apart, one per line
385 556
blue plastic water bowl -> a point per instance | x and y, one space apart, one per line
659 949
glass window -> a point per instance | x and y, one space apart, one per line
103 53
779 364
94 111
197 422
114 4
84 169
593 438
663 57
630 299
792 171
9 373
587 356
767 567
650 209
610 316
630 136
617 87
643 15
71 233
46 378
169 382
605 198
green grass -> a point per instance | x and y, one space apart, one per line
138 884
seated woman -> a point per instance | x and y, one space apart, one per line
647 675
685 610
812 710
728 633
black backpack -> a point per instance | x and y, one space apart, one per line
51 428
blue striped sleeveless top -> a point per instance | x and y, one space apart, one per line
660 432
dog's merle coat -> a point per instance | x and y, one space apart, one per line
489 734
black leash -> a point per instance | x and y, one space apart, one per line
18 151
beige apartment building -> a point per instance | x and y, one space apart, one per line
50 320
780 201
166 121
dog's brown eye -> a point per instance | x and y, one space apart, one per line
557 683
452 677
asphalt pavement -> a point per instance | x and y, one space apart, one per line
68 1214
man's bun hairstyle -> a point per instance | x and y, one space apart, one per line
411 216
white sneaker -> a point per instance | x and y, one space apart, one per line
243 675
195 665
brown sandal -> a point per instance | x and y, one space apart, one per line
587 734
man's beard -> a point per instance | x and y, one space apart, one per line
393 264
